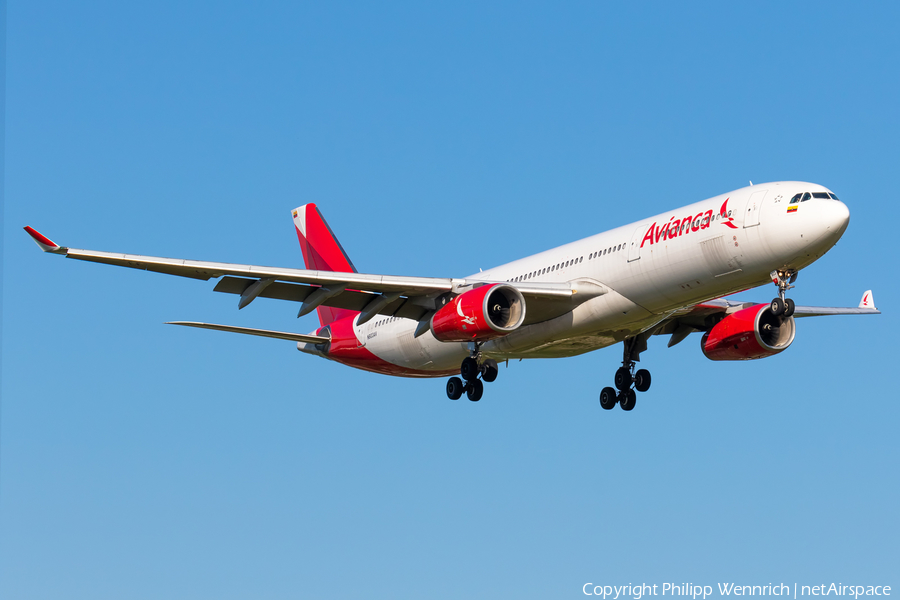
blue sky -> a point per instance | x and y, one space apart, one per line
138 460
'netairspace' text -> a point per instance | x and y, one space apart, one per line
638 591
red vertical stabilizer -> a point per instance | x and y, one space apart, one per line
321 252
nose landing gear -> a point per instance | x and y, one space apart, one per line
626 376
470 369
782 306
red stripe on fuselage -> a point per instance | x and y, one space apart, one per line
346 349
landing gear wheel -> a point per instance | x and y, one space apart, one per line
474 390
489 370
455 388
623 379
608 398
469 369
789 307
627 399
777 307
642 380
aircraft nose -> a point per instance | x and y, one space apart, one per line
834 217
838 216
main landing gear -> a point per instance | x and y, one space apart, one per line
781 306
470 369
626 376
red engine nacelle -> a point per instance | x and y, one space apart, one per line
487 312
747 334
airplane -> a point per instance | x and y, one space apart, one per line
667 274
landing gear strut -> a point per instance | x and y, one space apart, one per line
626 376
472 366
782 306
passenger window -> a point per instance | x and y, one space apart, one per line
796 199
806 197
820 195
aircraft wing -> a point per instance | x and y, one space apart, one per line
701 316
372 294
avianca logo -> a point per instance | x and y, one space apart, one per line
678 227
466 320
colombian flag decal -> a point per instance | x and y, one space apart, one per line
793 208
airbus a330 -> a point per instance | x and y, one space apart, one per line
664 275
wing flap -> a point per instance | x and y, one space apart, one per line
348 299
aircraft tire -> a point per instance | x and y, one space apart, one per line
469 369
642 380
628 400
455 388
608 398
474 390
489 370
789 307
623 379
777 307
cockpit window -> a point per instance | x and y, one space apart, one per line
796 198
833 197
821 195
806 197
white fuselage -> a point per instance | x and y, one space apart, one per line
651 269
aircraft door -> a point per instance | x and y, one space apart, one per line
634 248
751 212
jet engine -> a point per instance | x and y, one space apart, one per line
748 334
481 314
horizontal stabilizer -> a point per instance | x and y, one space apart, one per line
281 335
